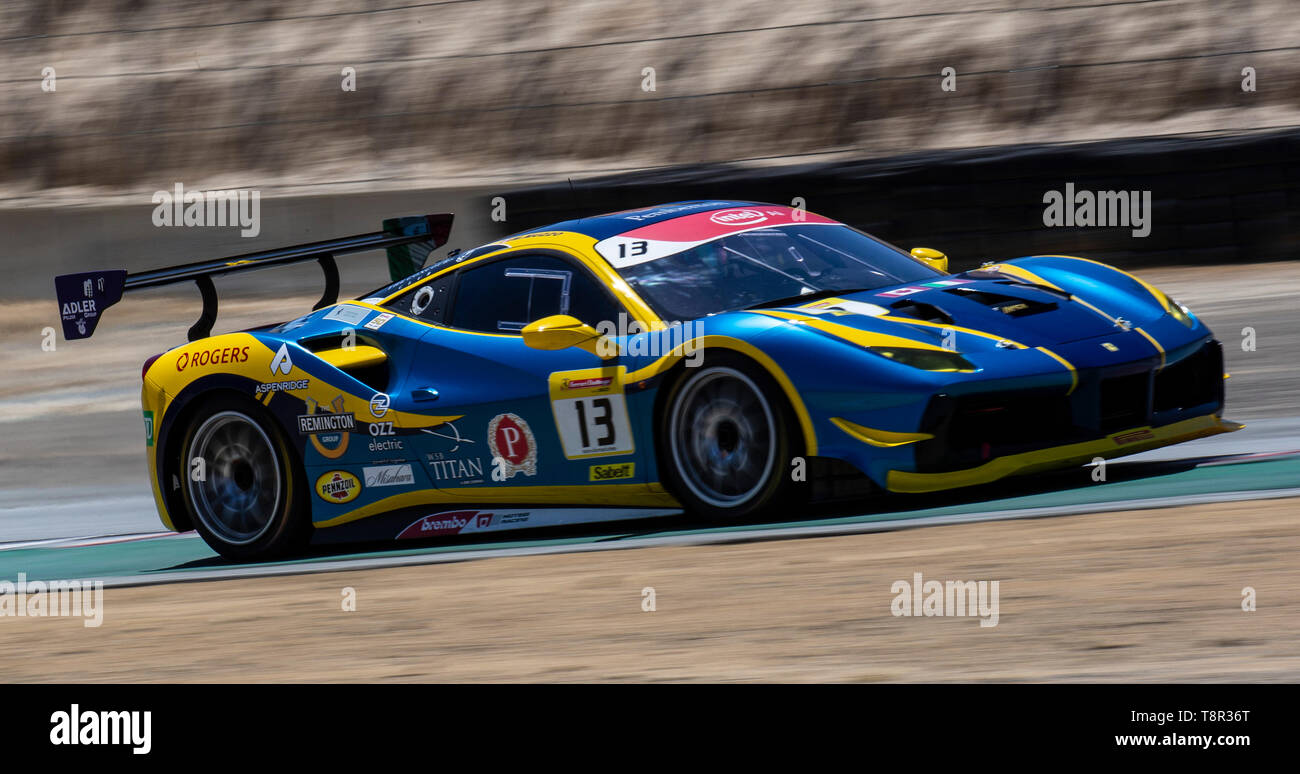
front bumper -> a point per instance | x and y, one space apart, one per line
980 435
1130 441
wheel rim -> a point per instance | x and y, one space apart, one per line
239 494
723 437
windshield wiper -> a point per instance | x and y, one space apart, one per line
824 293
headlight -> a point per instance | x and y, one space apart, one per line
925 359
1179 312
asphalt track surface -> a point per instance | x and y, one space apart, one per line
1235 467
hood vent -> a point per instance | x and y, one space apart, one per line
921 311
1008 305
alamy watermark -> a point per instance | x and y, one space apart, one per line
1099 208
180 207
953 598
64 598
89 727
627 337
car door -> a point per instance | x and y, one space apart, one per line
547 420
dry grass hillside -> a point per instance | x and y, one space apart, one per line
459 92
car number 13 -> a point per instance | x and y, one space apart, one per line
593 426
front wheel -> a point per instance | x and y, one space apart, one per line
726 441
241 483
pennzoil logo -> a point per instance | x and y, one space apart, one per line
329 430
338 486
611 472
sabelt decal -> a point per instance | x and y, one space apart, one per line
338 486
207 357
389 475
511 440
622 470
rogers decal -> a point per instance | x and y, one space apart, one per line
212 357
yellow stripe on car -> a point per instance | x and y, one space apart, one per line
874 437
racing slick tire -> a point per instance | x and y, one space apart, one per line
242 482
727 439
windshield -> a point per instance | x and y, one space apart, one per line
765 265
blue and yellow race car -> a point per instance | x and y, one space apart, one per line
714 357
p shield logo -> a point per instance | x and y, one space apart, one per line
511 440
338 486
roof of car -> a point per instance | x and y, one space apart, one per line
612 224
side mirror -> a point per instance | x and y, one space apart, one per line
560 331
935 259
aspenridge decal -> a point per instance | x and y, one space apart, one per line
290 386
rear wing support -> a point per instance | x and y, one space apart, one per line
408 241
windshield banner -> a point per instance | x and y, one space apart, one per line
658 240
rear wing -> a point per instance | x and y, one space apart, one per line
84 296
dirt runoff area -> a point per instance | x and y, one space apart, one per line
1153 595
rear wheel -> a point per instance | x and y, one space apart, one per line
727 441
242 487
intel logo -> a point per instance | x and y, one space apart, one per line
738 217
